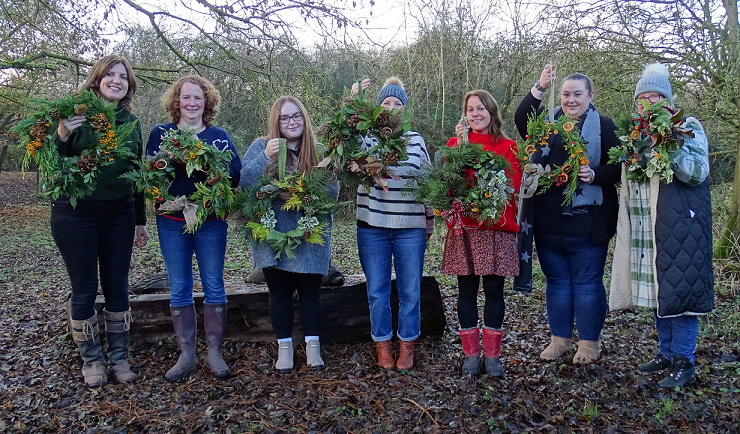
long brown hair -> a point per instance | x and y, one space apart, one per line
211 96
307 157
489 102
101 68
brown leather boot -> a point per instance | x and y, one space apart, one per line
214 320
385 355
406 356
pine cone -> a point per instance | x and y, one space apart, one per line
333 144
384 119
256 216
55 115
261 195
41 122
100 123
385 132
307 234
86 163
373 169
391 159
38 132
353 121
308 200
467 214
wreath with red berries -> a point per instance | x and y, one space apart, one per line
155 173
643 157
73 177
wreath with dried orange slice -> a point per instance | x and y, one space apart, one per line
539 131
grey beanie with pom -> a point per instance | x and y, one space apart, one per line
655 79
393 87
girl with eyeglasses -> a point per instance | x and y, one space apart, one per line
289 120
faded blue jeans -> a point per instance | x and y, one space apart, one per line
574 269
209 245
677 335
379 249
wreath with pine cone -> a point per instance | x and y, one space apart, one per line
155 173
644 157
539 130
73 177
357 121
308 194
443 185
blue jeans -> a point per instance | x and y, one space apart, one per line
677 335
96 233
377 247
574 269
209 245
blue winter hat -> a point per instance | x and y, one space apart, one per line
393 87
655 79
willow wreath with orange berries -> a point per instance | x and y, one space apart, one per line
344 135
155 172
73 177
648 142
539 130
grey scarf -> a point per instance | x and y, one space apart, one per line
586 194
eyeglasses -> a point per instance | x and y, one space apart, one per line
285 120
652 98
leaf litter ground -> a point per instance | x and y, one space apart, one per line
41 388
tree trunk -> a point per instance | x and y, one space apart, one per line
345 316
3 153
729 243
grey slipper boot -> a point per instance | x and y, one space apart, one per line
185 324
86 335
313 355
117 326
284 362
214 319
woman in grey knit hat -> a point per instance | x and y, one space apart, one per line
663 254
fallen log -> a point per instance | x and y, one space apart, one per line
345 316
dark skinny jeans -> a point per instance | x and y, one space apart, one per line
95 233
282 284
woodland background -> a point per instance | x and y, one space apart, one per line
256 50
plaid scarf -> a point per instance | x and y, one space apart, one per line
642 248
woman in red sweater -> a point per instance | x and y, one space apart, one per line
489 250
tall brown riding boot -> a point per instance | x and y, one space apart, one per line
185 323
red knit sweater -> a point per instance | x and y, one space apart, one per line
507 148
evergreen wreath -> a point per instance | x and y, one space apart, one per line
307 194
344 134
73 177
539 130
644 157
181 146
443 185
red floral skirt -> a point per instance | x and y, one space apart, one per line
480 252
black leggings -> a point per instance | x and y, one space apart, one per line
467 301
281 285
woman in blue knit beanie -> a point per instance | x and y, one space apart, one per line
392 231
